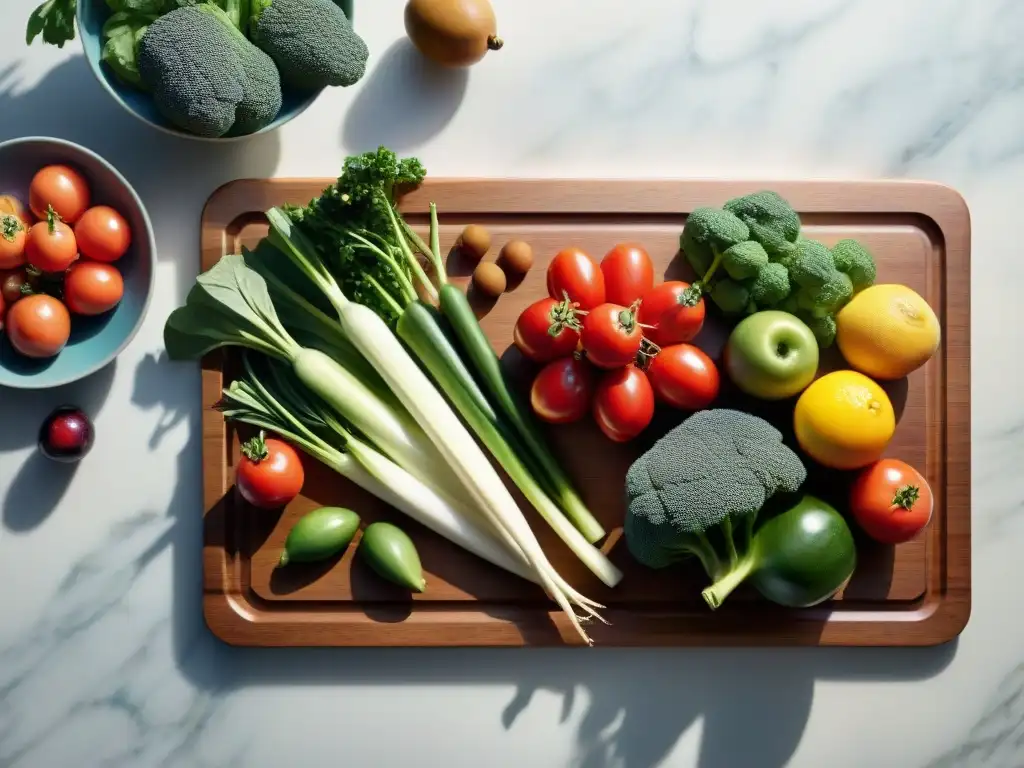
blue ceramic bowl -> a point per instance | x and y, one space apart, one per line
94 341
93 14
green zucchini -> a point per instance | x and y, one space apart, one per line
319 534
389 551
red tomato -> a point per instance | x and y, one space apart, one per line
38 326
562 391
51 245
92 288
675 315
624 403
13 234
611 336
547 329
270 472
62 187
573 272
3 312
683 376
11 287
891 501
628 274
102 234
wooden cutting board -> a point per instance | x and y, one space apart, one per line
917 593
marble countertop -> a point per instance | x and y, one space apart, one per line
104 657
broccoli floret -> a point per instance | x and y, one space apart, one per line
698 490
823 328
312 42
731 297
771 220
205 76
853 258
707 233
744 259
812 265
833 294
770 286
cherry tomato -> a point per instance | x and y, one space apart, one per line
628 274
102 234
623 403
891 501
51 246
611 336
11 287
62 187
547 329
92 288
38 326
562 391
13 234
573 272
674 314
12 206
683 376
270 472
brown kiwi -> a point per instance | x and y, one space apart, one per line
474 241
453 33
516 256
489 279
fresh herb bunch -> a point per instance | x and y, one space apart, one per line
358 202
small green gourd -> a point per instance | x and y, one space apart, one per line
319 534
389 551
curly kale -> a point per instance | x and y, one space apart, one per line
357 206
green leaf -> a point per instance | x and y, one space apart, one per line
54 20
122 34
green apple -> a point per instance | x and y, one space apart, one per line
771 355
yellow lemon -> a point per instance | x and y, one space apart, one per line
887 331
844 420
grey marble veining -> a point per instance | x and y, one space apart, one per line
104 659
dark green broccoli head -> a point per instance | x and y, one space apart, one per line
771 220
744 259
855 261
770 285
823 328
718 464
812 266
205 76
709 231
311 41
730 296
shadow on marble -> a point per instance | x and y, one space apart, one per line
405 101
189 171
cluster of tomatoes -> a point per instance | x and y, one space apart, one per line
56 260
612 343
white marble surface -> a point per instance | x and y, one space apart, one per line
104 659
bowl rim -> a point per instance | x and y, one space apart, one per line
96 65
150 237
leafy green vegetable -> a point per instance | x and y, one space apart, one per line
122 33
373 252
54 20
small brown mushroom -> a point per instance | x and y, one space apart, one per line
516 256
474 242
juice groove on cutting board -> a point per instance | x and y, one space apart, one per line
915 594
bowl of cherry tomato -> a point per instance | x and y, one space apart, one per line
77 258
